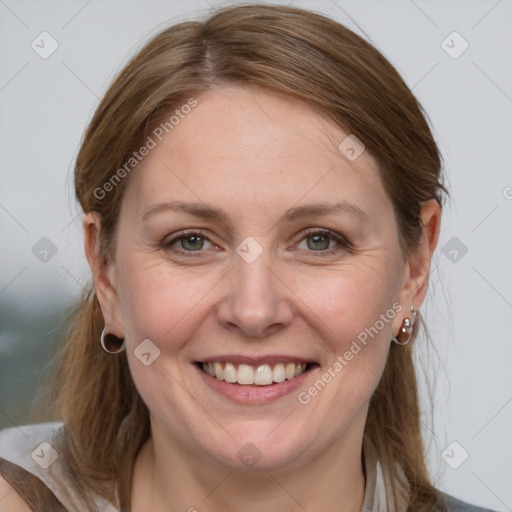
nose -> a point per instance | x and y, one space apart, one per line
258 303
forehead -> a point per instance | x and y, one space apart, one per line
254 151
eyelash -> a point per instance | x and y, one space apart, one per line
343 243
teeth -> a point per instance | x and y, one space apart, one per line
229 373
290 371
262 375
279 373
219 374
245 374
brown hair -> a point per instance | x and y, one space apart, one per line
289 51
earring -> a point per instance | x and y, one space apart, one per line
406 329
111 343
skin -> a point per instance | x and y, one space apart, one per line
255 154
10 500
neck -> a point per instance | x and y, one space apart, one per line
167 477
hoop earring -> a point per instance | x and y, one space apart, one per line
405 334
111 343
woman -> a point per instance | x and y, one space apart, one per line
262 198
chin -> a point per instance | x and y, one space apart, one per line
259 450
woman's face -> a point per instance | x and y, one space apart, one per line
223 256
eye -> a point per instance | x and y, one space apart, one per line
324 242
191 241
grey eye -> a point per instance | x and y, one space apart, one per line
194 242
318 242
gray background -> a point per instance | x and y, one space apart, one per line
46 103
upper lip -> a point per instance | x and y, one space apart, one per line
255 360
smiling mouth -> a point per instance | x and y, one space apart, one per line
248 375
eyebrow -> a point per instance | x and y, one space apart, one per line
204 211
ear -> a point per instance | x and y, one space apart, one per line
417 269
103 273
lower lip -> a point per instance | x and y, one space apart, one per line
253 394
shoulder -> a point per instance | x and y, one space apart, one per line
16 442
10 500
26 454
456 505
31 431
33 464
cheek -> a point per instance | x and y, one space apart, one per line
162 303
352 302
354 315
167 304
353 310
